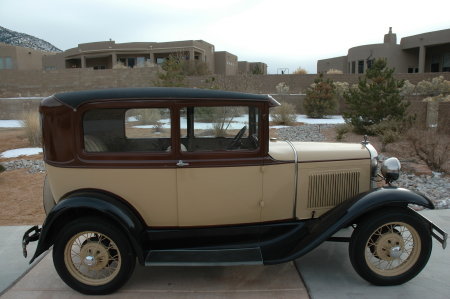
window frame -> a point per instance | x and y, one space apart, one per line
122 156
225 154
169 159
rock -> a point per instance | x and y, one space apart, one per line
33 166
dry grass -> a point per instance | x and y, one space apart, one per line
284 114
431 147
32 125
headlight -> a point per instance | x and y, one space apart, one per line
391 169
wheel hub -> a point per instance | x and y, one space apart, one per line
94 255
89 260
389 246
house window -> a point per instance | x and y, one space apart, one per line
369 63
434 68
360 66
140 61
131 62
446 63
6 63
353 66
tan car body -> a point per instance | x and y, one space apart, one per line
228 195
197 182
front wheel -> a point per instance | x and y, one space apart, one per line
93 256
390 247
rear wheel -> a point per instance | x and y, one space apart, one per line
93 256
390 247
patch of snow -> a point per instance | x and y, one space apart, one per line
10 124
23 98
28 151
330 120
278 127
132 119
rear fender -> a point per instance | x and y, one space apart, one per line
93 203
346 214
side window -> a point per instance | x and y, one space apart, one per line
225 128
127 130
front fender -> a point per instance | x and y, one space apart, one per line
347 213
93 203
387 196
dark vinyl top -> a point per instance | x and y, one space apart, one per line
77 98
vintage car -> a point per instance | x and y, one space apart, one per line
176 176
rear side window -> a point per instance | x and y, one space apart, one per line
127 130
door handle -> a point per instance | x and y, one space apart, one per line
181 163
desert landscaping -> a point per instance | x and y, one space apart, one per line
21 183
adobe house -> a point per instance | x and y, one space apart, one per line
421 53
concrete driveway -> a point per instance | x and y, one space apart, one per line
326 272
279 281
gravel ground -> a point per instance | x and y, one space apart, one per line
303 133
436 186
34 166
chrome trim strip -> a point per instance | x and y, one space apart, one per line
294 213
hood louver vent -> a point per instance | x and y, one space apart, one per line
331 189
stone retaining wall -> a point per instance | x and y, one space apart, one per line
19 83
14 83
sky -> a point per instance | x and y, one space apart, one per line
281 33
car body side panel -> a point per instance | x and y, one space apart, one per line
152 192
219 195
278 192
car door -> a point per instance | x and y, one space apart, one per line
219 174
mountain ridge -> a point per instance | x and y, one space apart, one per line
15 38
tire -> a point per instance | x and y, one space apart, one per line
390 247
93 257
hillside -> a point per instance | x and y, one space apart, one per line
24 40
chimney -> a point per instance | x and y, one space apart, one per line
390 38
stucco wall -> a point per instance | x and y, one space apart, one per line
337 63
444 118
14 83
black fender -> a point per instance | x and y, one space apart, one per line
343 215
93 203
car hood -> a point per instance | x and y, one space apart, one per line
317 151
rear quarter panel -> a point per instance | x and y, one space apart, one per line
152 192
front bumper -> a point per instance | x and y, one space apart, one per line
30 235
440 235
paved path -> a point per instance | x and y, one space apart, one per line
328 273
12 263
280 281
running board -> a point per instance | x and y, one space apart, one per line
223 257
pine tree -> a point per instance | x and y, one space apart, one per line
173 75
320 98
376 99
